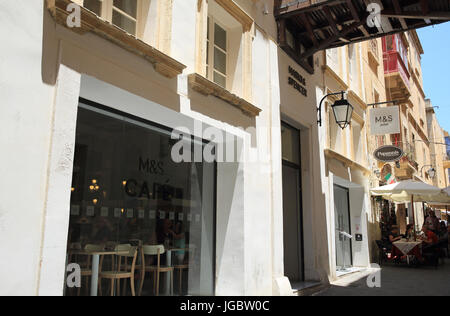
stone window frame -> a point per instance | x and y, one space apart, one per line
248 30
92 23
107 9
211 45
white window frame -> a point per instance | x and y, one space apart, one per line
211 46
107 8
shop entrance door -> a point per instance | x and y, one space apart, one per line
292 205
343 230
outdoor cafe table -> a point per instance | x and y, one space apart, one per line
96 262
408 248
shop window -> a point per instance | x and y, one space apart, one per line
121 13
290 142
128 193
217 53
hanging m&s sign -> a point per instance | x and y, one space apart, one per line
388 154
385 120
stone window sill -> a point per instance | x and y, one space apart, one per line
90 22
206 87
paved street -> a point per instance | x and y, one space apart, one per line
396 280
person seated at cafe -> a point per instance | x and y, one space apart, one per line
430 238
443 232
432 222
443 238
393 236
448 236
409 232
102 231
179 240
163 232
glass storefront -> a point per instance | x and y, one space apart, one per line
343 228
149 220
292 205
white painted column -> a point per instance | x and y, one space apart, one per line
57 210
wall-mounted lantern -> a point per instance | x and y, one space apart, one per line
431 172
342 110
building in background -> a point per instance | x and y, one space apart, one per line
438 147
190 127
88 115
403 77
447 158
351 224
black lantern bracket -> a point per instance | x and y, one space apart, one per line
319 109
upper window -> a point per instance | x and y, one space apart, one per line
121 13
217 53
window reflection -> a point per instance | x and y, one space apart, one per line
128 194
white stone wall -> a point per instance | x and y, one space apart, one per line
41 80
26 116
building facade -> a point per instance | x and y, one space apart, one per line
438 147
93 135
190 126
115 90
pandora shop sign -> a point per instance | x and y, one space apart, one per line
385 121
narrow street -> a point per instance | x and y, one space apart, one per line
396 281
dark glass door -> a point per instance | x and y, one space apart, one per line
343 229
292 205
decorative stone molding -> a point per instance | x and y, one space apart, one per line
352 94
331 154
90 22
206 87
235 11
418 85
330 72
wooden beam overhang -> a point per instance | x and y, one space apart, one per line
322 24
417 15
334 38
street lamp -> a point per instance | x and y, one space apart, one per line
431 172
342 110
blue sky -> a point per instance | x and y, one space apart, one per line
436 69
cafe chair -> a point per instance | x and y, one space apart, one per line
384 253
154 252
179 268
431 255
123 270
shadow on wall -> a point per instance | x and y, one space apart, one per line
221 111
95 56
373 231
298 106
50 63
